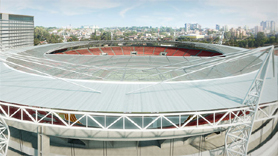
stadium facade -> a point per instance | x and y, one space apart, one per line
16 31
138 98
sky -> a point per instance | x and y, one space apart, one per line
155 13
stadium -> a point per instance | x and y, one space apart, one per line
138 98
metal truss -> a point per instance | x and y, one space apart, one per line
237 136
135 122
4 137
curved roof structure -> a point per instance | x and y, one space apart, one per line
126 83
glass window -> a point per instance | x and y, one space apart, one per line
20 18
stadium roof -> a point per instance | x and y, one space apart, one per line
225 90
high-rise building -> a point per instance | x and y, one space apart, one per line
246 27
266 25
226 28
16 31
263 24
258 29
195 26
272 26
217 27
187 27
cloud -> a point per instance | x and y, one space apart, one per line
64 7
77 7
255 10
122 13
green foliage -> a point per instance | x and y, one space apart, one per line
272 39
251 42
130 33
42 34
73 38
104 36
260 40
183 38
228 35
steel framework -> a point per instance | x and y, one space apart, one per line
135 122
4 137
237 136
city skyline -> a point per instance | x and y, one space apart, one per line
156 13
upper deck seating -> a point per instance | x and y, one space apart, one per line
139 50
117 50
127 50
95 51
171 51
181 52
193 52
83 52
148 50
158 50
72 52
107 50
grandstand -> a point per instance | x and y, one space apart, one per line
141 51
138 98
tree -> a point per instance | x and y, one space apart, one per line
105 36
42 34
216 40
260 40
251 42
272 40
227 35
36 41
73 38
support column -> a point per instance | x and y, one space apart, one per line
4 138
43 143
237 137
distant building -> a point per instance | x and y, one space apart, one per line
268 25
94 27
189 26
226 28
258 29
69 27
272 26
246 27
195 26
263 24
85 26
217 27
16 31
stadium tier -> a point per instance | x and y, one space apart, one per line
95 51
139 50
107 50
84 52
117 50
138 98
169 51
